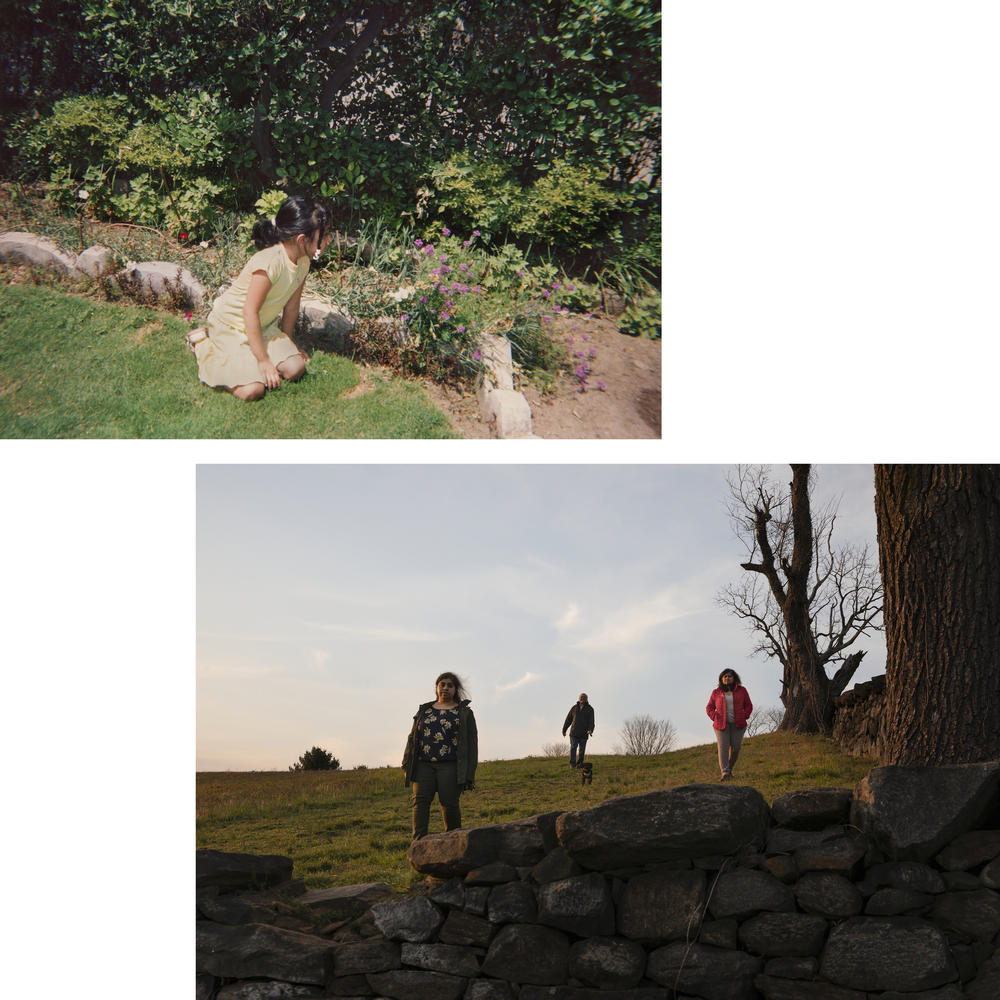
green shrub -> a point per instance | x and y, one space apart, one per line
642 317
483 195
79 132
567 208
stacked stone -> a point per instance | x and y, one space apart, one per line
700 891
859 718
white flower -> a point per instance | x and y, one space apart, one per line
83 194
203 244
402 293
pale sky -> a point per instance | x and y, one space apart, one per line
532 582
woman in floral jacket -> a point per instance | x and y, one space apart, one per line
441 754
729 707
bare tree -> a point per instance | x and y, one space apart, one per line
556 749
644 736
764 720
805 601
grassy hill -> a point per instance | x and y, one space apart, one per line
346 827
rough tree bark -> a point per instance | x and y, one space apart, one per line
939 552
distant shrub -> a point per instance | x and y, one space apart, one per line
642 317
316 759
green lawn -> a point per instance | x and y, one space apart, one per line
72 367
347 827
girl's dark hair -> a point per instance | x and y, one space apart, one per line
736 676
460 694
297 215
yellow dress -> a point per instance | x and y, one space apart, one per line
224 357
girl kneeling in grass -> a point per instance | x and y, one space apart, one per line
248 347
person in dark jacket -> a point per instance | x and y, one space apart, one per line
580 723
441 754
729 707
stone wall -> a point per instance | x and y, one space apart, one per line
858 718
886 892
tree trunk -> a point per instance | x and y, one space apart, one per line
939 553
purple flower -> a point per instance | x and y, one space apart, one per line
580 354
444 317
546 319
418 243
475 232
586 336
593 353
461 329
571 288
476 355
423 298
545 293
456 287
446 231
443 257
429 249
436 271
404 317
445 269
463 267
601 386
476 289
556 286
466 243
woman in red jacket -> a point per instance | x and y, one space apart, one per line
729 707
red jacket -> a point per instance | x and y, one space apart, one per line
742 707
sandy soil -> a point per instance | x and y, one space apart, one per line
627 406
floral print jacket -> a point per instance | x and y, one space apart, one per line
466 752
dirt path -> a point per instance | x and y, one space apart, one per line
627 406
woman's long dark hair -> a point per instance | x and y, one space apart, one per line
297 216
460 694
736 677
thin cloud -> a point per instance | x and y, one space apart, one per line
528 678
630 625
569 618
380 633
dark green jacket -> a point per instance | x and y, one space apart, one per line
468 745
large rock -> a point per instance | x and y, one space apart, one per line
913 812
361 957
229 871
744 892
778 988
344 902
447 958
95 261
580 905
693 820
702 971
608 963
526 953
882 953
269 990
970 850
662 905
260 951
829 895
413 920
164 279
458 852
35 251
326 320
513 903
784 934
407 984
975 914
812 808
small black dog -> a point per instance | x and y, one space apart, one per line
586 773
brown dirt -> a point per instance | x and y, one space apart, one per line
627 407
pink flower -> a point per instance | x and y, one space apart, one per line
601 386
418 243
446 231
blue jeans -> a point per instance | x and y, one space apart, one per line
577 744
